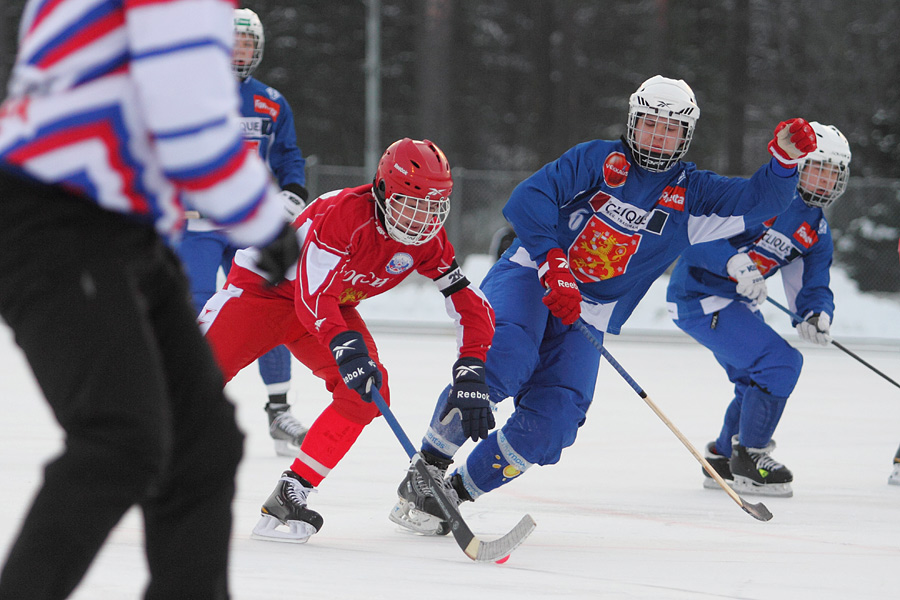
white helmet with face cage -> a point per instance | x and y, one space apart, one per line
824 171
246 22
666 100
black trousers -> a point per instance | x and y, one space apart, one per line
101 309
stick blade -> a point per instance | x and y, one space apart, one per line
494 550
757 511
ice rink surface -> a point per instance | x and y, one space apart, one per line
622 516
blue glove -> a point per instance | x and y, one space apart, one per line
357 368
470 397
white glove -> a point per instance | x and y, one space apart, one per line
293 204
750 282
815 328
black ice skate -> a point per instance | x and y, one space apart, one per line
287 506
755 472
720 464
286 431
417 509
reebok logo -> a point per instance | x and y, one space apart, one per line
465 370
339 350
563 264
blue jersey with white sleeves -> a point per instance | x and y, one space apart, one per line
622 226
267 123
797 242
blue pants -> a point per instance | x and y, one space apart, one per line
550 371
763 367
203 253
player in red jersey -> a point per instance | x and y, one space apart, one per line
356 243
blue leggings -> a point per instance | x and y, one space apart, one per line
550 371
763 367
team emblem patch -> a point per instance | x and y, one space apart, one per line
615 169
399 263
600 252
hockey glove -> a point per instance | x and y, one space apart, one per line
562 297
293 204
278 255
815 328
357 368
469 397
750 282
793 140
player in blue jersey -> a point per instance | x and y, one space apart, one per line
715 293
268 126
595 228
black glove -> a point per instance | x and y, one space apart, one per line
470 396
357 368
279 254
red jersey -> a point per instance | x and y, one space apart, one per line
347 256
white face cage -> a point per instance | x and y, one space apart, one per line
249 41
825 171
657 142
821 183
413 221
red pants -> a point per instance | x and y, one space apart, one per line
242 324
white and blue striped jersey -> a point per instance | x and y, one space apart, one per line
132 103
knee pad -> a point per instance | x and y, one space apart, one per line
544 423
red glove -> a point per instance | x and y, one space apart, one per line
793 140
562 297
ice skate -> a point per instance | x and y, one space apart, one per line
286 431
894 479
417 509
286 507
756 472
721 466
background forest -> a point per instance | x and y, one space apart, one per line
508 85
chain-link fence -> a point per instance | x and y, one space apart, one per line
865 221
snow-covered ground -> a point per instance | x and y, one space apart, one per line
622 516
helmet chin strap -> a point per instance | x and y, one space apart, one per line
380 204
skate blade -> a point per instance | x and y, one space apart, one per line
748 487
407 517
710 484
286 448
267 529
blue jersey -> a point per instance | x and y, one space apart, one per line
622 227
797 242
268 126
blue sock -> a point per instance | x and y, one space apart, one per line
492 463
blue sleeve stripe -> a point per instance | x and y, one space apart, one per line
169 135
189 45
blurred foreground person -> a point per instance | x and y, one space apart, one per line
97 149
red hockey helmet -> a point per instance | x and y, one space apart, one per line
412 190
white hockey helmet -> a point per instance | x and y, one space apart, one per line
246 22
824 171
668 100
